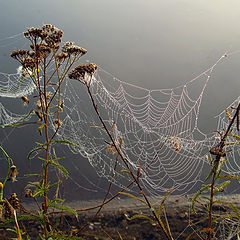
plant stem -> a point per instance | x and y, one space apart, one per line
220 147
126 162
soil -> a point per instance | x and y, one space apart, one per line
113 222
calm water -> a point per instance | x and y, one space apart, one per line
153 44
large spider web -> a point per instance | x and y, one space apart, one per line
157 129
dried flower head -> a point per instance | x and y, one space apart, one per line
13 173
61 57
41 50
30 63
33 34
39 104
14 201
28 193
19 54
83 72
72 49
62 104
57 122
54 35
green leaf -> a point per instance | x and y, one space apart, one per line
54 184
63 141
39 192
229 177
235 136
199 192
32 175
221 186
138 216
60 167
62 207
125 171
22 218
33 151
132 196
163 200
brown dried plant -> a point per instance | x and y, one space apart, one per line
45 51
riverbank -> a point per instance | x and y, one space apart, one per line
113 220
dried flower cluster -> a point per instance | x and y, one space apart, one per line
54 35
11 204
61 57
25 58
72 49
40 50
83 72
33 34
44 42
48 33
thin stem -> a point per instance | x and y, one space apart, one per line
220 147
126 162
6 177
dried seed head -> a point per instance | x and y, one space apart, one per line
13 173
39 104
54 35
28 193
61 57
8 209
72 49
35 33
41 50
14 201
19 54
57 122
83 72
30 63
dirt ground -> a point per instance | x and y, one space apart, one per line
113 223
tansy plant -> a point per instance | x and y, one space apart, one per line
46 63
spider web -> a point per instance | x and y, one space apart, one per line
157 130
232 165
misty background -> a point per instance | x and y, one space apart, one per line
152 44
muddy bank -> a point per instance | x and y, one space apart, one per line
113 220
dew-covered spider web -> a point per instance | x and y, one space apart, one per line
156 130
